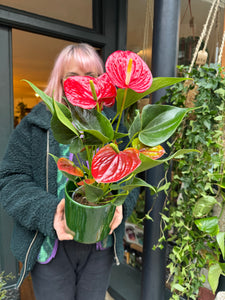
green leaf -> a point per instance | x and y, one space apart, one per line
62 127
119 199
213 276
93 193
220 237
159 122
76 145
157 83
119 135
135 126
222 266
93 123
208 225
148 163
47 99
131 184
55 157
203 206
178 287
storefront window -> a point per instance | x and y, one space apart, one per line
75 11
33 59
140 28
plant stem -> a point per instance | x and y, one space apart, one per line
121 110
136 134
89 158
77 157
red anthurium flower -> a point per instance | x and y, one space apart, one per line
153 152
88 181
127 70
68 166
78 91
110 164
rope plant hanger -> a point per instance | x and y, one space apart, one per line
221 49
200 56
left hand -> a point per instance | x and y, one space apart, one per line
59 224
117 218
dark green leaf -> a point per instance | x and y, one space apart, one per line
76 145
93 193
148 163
208 225
135 182
133 97
135 126
93 123
203 206
62 127
159 122
47 100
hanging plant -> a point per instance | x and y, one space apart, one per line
194 212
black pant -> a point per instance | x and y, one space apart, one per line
78 272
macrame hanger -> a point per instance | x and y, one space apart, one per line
221 49
202 54
201 60
211 25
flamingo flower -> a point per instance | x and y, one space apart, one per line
86 91
127 70
111 165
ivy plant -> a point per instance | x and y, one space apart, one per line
194 229
3 281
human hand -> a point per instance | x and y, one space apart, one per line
117 218
59 223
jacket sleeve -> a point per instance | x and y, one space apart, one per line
23 198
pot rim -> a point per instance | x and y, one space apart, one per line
83 205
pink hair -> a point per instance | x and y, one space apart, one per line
84 55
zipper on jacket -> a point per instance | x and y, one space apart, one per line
25 261
115 253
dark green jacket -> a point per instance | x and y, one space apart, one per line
23 188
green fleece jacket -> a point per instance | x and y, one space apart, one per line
23 188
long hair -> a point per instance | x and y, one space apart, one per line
86 58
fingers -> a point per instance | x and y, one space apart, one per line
117 218
59 223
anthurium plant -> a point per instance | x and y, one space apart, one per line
109 159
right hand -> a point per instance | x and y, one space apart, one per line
59 223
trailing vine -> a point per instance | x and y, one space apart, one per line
193 216
3 281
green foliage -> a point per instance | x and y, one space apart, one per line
194 229
3 281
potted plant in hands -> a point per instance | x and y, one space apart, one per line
107 160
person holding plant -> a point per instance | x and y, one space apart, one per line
32 193
98 156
